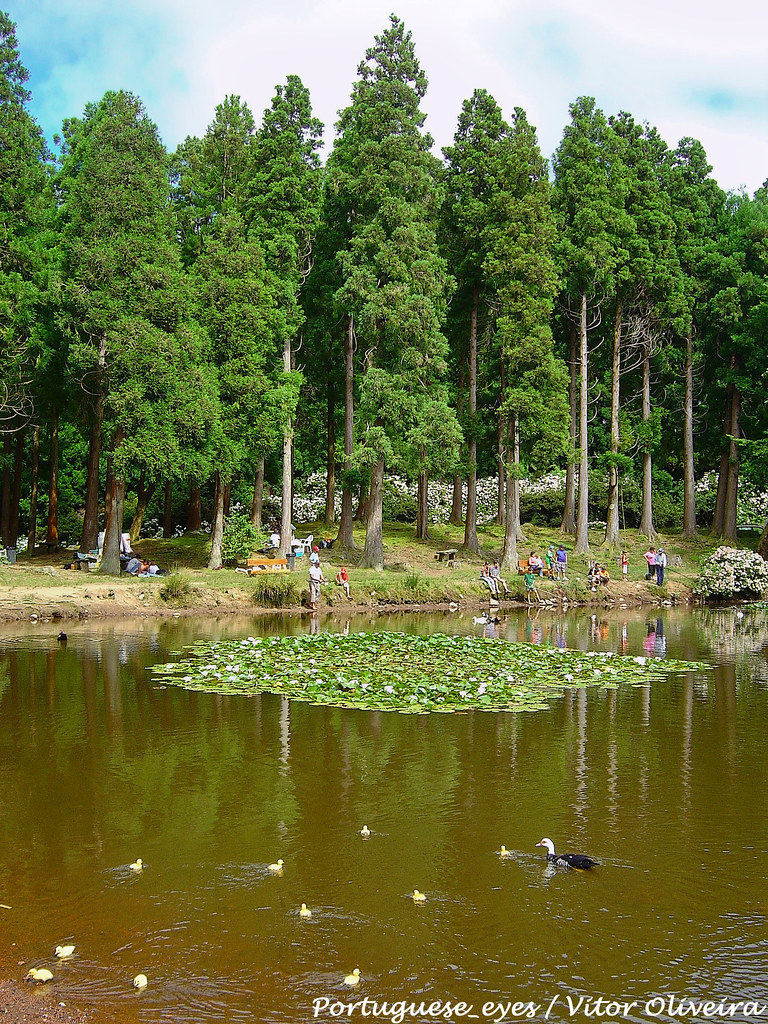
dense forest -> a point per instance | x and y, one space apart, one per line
182 331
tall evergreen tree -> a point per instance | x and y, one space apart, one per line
471 182
395 283
123 303
522 269
22 208
284 205
586 253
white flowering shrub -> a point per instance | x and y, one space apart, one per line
732 572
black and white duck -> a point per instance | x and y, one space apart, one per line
567 860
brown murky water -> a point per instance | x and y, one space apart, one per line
667 786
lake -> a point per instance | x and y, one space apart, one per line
666 785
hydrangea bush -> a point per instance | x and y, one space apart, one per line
732 572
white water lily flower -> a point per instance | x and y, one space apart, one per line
568 677
640 661
389 689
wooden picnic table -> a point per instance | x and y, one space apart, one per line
449 555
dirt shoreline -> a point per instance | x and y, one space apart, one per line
20 1004
110 599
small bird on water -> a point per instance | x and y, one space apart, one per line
567 860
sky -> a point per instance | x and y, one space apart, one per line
690 67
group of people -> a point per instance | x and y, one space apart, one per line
316 578
136 566
597 576
491 576
657 563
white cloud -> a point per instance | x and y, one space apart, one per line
687 66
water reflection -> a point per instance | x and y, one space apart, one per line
664 784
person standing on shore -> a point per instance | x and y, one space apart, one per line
661 565
316 578
624 565
650 557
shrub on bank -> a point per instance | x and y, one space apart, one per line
732 572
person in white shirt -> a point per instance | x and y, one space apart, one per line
315 579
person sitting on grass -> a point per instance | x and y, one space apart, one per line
488 580
342 579
495 573
602 576
529 580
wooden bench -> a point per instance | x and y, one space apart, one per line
264 564
751 527
447 556
522 569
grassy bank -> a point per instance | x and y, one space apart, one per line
412 577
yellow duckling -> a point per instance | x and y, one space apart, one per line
305 911
39 974
419 897
353 978
62 952
365 832
276 869
140 981
137 865
504 853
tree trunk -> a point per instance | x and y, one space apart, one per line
568 522
361 513
52 536
516 524
330 468
509 551
90 535
471 543
501 509
227 497
108 489
258 494
373 554
285 500
762 546
5 519
422 505
612 512
110 559
581 545
13 530
344 538
32 535
143 498
457 502
194 511
730 521
718 522
217 526
689 480
647 528
167 521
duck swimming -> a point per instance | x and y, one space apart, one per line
365 832
39 974
419 897
305 911
277 868
62 952
567 860
140 981
353 978
504 853
138 865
